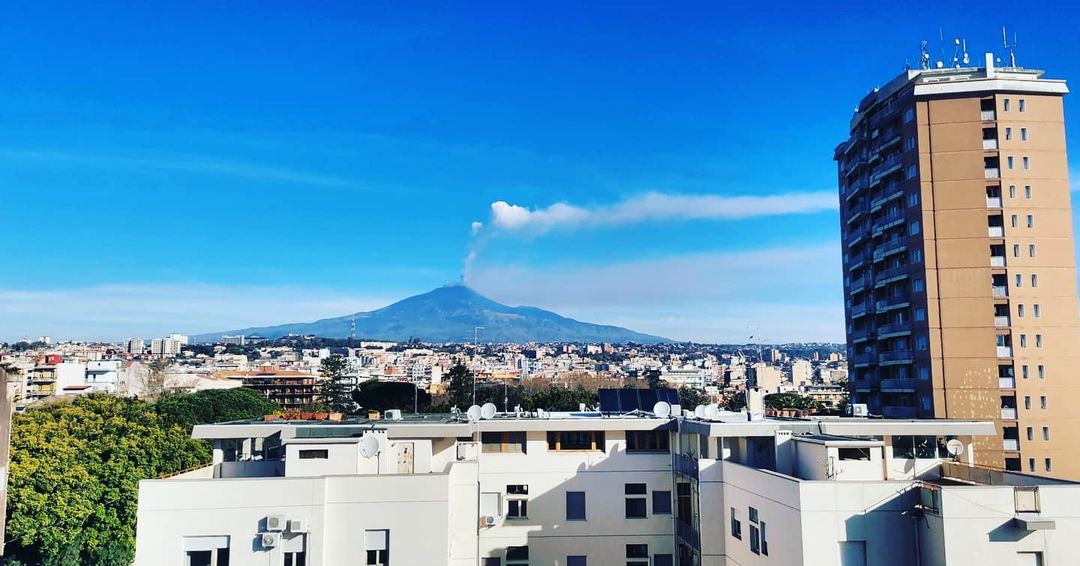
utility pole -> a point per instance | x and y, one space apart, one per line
476 354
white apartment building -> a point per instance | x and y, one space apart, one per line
802 373
103 376
134 345
587 489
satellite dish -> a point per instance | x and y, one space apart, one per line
662 409
955 447
699 411
488 410
712 412
473 413
369 446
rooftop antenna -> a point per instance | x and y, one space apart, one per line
352 329
966 60
956 53
924 56
1010 47
941 47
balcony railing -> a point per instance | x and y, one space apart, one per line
991 172
892 301
996 231
1001 321
889 248
859 309
1004 351
897 356
1000 292
993 202
1007 383
990 144
891 273
898 384
1008 413
988 115
895 328
862 359
1011 444
898 412
997 261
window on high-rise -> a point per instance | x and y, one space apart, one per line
909 115
1023 340
918 285
912 171
1021 105
736 525
915 227
1042 402
920 314
1016 250
1031 250
1035 310
1038 340
517 556
1010 162
1046 433
1012 191
1041 370
1031 221
1006 104
1008 134
1030 434
636 506
1027 402
1031 464
637 555
1019 280
1027 191
1014 220
1020 310
1027 163
1034 280
1048 463
1023 134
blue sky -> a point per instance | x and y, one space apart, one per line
170 167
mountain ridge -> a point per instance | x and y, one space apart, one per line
449 314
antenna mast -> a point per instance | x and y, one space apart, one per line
924 56
1010 47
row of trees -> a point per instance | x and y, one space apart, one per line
76 465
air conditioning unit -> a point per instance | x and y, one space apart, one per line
275 523
270 540
392 414
488 520
859 410
298 526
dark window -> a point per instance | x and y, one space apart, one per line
314 454
295 559
736 525
647 441
506 442
637 555
517 555
517 501
636 506
576 561
661 502
764 542
685 503
663 560
493 561
755 541
575 506
199 557
853 453
576 440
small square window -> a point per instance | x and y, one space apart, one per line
661 502
576 561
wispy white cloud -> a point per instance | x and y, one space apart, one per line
710 297
115 312
657 206
175 162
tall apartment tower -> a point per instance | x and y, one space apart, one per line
959 268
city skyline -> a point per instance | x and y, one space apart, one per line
619 172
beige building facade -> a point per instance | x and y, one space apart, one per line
959 263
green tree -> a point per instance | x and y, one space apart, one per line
213 406
74 477
690 397
459 392
336 387
556 398
790 401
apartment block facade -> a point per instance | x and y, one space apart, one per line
958 258
591 489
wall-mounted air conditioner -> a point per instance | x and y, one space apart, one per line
270 540
298 526
275 523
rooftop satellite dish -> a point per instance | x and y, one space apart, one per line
662 409
473 413
369 446
488 410
955 447
712 412
699 411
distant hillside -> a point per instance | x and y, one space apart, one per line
449 314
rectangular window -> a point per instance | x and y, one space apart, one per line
576 441
1024 371
1042 402
909 143
1031 250
1023 340
517 556
1041 371
576 561
492 561
637 555
920 313
1038 340
575 506
663 560
1020 310
1023 134
1027 191
1027 402
916 256
921 343
1008 134
1022 106
1030 433
1012 191
736 525
1027 163
503 442
1006 104
1035 310
755 539
1019 280
909 115
296 558
647 441
1046 433
1031 221
1010 161
1034 280
1031 464
912 171
1014 220
918 285
661 502
314 454
1016 250
517 501
1048 463
206 550
636 507
913 199
915 228
377 547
